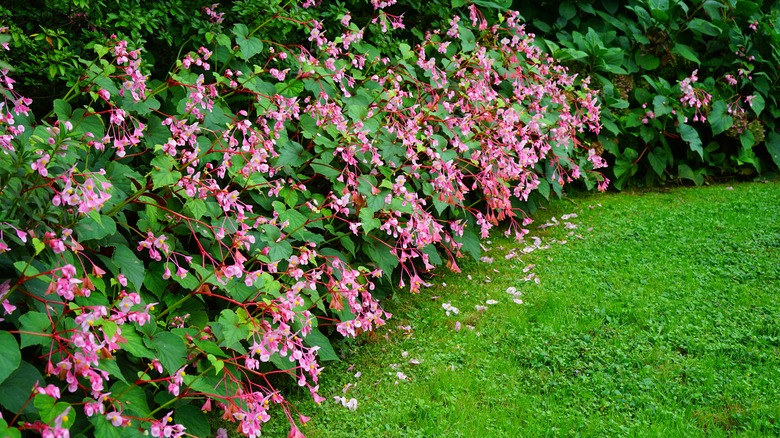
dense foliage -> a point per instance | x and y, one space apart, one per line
172 245
689 87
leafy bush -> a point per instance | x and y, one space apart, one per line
175 246
689 87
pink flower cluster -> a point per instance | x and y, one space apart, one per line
694 97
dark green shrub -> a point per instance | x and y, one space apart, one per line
689 89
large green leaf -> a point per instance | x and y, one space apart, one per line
502 5
49 408
90 229
719 118
233 328
171 351
467 40
11 357
291 88
758 103
703 27
316 338
193 419
35 322
292 154
17 388
163 173
686 52
647 61
135 344
8 432
132 397
691 136
686 172
368 221
249 46
773 146
471 244
104 428
747 139
128 264
625 164
657 158
280 250
380 254
62 109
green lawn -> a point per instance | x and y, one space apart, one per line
659 316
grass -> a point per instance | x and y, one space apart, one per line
659 316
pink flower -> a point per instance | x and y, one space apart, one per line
115 418
164 428
50 390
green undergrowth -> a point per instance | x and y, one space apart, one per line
658 316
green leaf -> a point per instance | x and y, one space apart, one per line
35 322
368 221
691 136
112 367
647 61
62 109
661 106
380 254
193 419
11 357
773 146
719 118
567 10
470 243
625 165
89 229
8 432
657 158
544 188
132 398
218 364
291 88
316 339
104 428
685 172
758 103
171 351
89 123
502 5
135 344
467 40
196 207
292 154
127 262
703 27
281 250
210 347
686 52
216 119
233 328
248 46
38 245
747 139
162 171
49 409
17 388
357 112
239 291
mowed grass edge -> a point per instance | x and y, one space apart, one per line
656 314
